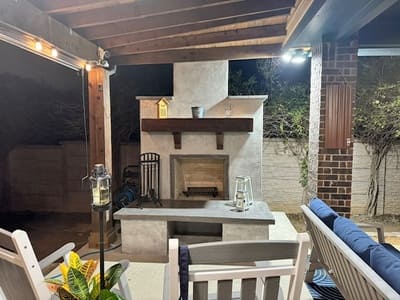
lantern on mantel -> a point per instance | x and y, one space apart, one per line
100 181
162 108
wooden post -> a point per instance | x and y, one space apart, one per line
100 143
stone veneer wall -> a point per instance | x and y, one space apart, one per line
206 84
337 64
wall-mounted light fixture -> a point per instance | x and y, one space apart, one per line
296 56
96 63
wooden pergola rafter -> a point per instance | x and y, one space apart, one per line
135 32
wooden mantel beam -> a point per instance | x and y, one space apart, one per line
27 18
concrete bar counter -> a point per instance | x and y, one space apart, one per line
145 231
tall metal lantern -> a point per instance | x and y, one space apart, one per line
100 182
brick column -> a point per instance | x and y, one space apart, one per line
330 168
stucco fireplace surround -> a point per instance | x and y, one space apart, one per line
206 84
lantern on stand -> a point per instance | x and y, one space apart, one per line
100 182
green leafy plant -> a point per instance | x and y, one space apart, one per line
80 283
376 121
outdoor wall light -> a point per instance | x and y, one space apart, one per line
296 56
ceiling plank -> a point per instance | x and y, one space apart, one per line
71 6
270 31
23 15
185 55
267 18
187 17
138 9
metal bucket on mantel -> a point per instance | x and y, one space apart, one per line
197 112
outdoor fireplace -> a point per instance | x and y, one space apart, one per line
199 177
199 163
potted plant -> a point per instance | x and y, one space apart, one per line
80 283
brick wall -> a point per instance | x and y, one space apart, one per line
334 172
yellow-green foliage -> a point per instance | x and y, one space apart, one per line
79 283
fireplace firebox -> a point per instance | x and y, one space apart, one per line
199 177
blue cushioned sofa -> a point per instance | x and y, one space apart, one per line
362 268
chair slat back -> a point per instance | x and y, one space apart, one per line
20 273
253 275
355 279
13 281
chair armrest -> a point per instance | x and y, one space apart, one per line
61 252
378 227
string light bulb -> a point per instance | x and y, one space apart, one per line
54 52
38 46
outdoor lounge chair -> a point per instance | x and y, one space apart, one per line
258 264
21 275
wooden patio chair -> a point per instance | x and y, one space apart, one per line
257 264
21 275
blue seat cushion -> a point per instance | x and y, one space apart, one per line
354 237
387 266
391 249
323 211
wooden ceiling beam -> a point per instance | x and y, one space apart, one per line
55 7
185 55
27 18
138 9
268 18
187 17
253 33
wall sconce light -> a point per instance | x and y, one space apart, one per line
296 56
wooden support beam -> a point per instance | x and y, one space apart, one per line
186 17
266 18
185 55
272 31
71 6
100 141
138 9
25 17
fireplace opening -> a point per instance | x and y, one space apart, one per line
199 177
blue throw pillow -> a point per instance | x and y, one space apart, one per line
354 237
323 211
387 266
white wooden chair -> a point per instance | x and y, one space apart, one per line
258 264
21 275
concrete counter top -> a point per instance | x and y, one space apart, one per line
212 211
